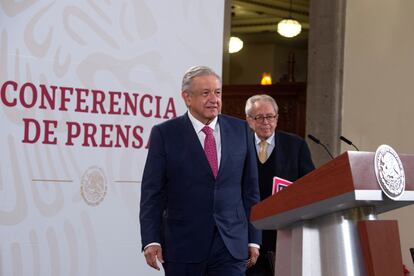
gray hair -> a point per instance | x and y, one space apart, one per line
196 71
259 98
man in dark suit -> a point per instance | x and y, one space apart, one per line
280 154
200 181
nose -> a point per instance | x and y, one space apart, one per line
213 97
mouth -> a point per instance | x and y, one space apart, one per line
265 128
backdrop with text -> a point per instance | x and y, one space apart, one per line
82 83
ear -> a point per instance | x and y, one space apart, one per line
186 97
250 121
277 119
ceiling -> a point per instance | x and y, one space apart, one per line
257 20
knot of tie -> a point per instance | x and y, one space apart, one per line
263 151
210 149
207 130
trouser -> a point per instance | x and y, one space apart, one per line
219 263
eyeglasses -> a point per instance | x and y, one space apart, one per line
261 118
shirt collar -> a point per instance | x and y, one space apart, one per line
198 126
270 140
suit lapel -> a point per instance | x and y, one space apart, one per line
225 140
278 156
196 150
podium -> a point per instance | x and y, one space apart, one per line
327 220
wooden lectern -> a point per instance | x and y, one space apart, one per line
327 220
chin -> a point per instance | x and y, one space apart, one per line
265 135
212 115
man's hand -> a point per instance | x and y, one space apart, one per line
253 255
152 253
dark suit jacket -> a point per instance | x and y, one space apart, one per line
292 160
292 156
182 203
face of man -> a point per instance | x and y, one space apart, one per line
263 119
204 99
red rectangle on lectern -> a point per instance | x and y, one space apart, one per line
279 184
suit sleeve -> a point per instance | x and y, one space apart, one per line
153 185
251 194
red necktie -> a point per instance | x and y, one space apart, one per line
210 149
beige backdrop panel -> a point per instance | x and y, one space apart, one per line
73 210
378 93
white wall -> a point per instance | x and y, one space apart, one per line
73 209
378 93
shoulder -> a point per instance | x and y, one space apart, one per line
231 120
173 123
233 125
283 136
167 132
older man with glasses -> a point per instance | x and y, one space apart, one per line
280 154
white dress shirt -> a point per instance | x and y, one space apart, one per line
214 125
270 144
